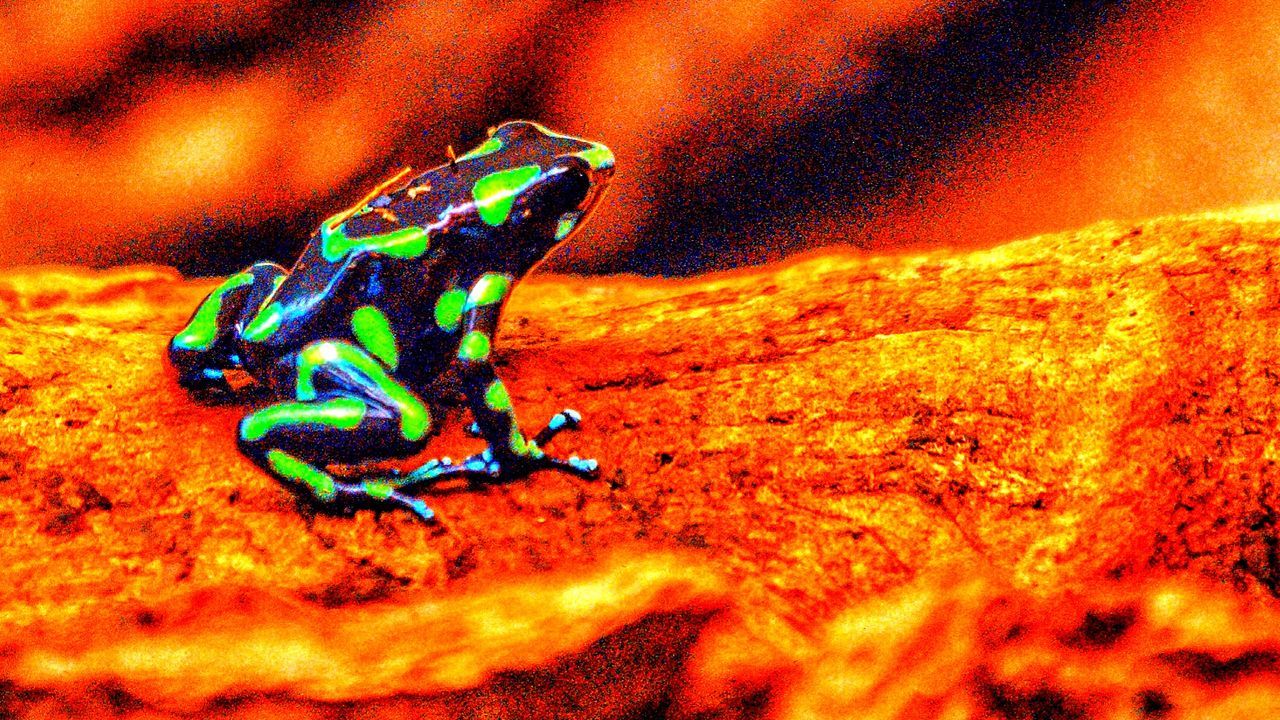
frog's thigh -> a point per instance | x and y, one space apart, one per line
204 347
348 410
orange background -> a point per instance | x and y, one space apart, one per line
207 134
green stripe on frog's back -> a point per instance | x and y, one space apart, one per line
265 323
373 330
490 146
200 333
495 193
406 242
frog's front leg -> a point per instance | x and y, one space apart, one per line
510 454
349 410
566 419
204 348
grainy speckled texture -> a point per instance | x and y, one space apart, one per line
789 441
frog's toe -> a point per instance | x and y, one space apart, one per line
566 419
483 465
422 510
418 507
586 465
574 465
431 470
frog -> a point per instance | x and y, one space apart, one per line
346 349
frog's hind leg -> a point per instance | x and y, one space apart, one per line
348 410
204 348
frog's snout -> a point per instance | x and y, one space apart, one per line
597 164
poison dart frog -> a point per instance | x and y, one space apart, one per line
384 299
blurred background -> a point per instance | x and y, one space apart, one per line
210 133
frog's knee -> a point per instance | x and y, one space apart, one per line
358 373
250 438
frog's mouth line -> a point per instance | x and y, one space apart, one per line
599 180
593 197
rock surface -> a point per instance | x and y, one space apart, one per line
781 447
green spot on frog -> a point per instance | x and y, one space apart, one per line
265 323
495 193
496 397
475 346
449 309
568 222
405 242
598 157
377 489
517 442
290 467
489 289
490 146
373 330
340 413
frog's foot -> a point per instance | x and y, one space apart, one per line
586 468
475 468
484 468
522 465
207 385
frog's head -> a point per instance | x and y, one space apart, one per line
538 185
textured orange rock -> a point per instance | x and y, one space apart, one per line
788 442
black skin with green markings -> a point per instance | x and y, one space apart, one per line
381 303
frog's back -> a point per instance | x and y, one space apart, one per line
393 274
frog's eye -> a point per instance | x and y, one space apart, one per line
573 181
